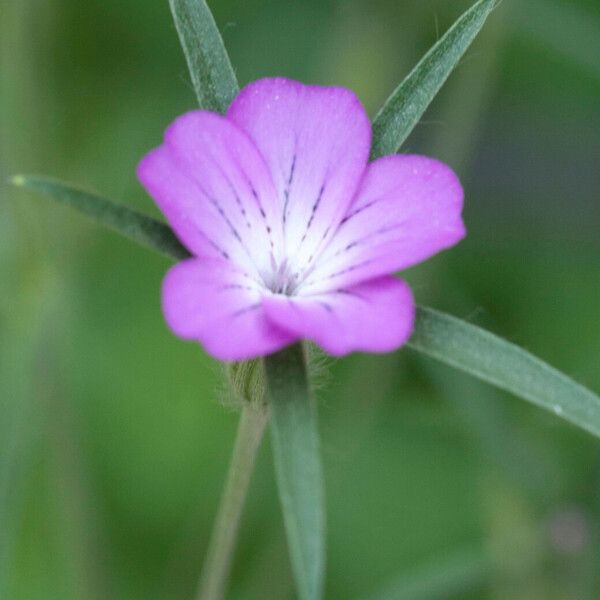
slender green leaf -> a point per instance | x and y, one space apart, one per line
441 336
212 75
139 227
410 99
496 361
298 467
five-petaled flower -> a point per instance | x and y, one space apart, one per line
293 234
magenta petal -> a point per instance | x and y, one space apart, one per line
375 316
216 191
294 236
221 307
407 209
316 142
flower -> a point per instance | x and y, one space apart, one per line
293 234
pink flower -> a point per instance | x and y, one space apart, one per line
293 234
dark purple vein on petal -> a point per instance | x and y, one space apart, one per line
233 191
217 205
256 197
216 246
360 209
237 286
343 271
221 211
288 186
315 206
353 294
350 268
246 309
214 202
363 239
326 306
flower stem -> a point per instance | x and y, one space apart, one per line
215 572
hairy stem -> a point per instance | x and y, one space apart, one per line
215 572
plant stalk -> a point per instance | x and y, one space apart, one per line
217 565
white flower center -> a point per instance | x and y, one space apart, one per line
284 278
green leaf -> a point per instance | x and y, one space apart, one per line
212 75
410 99
441 336
565 27
454 577
295 444
568 29
506 366
139 227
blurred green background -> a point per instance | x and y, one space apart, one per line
113 442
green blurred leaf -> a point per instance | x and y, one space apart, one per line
216 570
298 467
139 227
295 440
410 99
212 75
508 367
450 578
455 342
565 27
